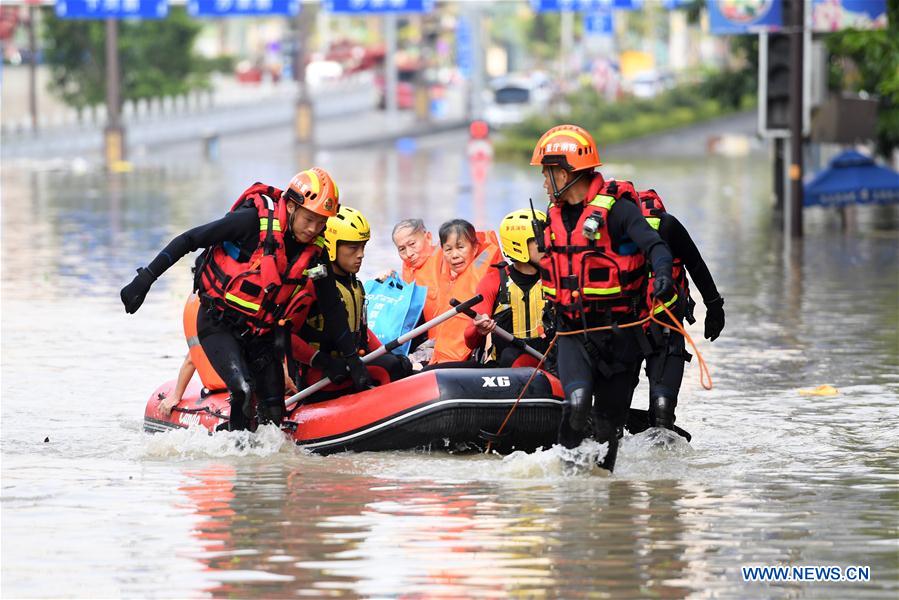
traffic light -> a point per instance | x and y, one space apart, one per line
775 72
775 82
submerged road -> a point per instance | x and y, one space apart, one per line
772 477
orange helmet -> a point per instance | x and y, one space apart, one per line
314 189
568 146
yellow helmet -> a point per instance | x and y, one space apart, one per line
349 225
515 230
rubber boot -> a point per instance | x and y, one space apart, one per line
270 410
661 412
240 420
606 433
579 402
573 426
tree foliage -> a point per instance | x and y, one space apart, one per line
868 61
156 58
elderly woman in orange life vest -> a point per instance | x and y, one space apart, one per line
466 257
263 251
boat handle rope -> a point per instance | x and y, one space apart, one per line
206 409
705 376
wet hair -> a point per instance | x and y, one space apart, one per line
461 228
416 225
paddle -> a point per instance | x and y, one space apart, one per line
382 350
637 419
503 334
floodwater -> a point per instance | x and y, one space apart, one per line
94 507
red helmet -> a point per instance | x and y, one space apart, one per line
314 189
568 146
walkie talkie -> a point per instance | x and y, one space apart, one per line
538 226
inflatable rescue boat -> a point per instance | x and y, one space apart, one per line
451 409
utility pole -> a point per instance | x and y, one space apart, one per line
427 31
32 65
114 133
797 28
474 17
304 131
566 34
390 75
779 170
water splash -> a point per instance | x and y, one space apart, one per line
196 442
555 462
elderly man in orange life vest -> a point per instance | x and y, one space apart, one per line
415 247
254 276
594 273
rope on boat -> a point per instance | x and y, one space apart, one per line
705 376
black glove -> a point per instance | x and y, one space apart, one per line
134 293
334 367
714 318
662 288
361 379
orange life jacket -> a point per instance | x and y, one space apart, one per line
427 275
449 336
208 375
653 208
423 275
584 275
258 290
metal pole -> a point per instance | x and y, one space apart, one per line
114 134
474 14
304 131
390 74
566 33
787 214
779 175
32 67
422 94
796 88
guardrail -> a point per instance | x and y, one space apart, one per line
344 96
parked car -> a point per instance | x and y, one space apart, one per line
512 99
649 84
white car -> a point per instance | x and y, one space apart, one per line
512 100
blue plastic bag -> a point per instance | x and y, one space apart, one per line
394 308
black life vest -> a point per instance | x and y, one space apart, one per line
353 299
518 311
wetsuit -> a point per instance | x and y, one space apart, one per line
665 366
249 363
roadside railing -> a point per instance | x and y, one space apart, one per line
355 93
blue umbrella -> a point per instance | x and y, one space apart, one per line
852 178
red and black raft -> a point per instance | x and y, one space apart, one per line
452 409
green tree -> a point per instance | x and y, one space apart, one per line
156 58
869 61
